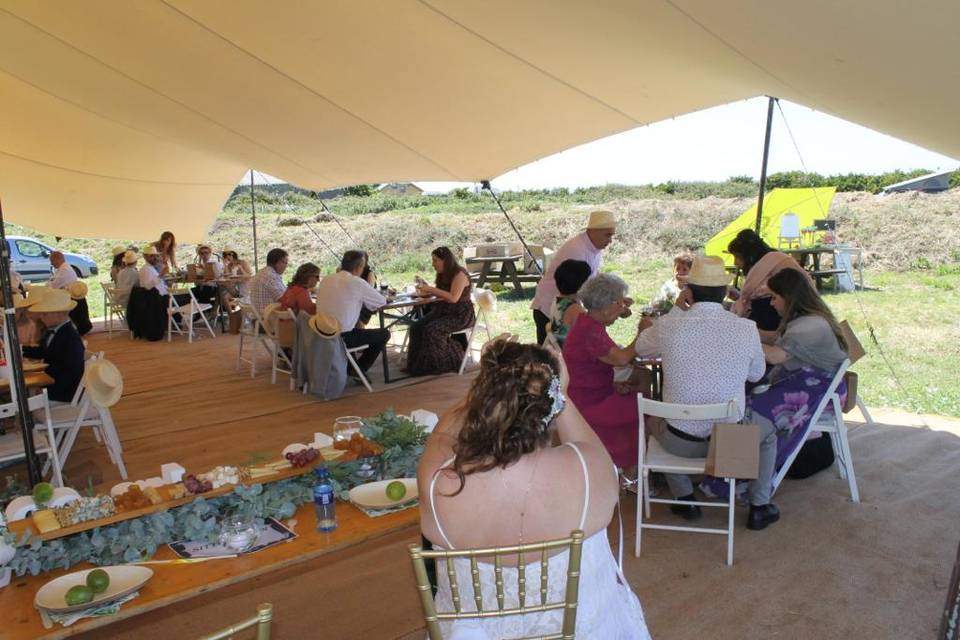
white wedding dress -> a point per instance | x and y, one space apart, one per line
607 609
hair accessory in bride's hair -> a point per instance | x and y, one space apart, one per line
559 401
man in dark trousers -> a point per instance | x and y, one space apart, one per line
60 347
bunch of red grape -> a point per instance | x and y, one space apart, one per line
196 486
303 457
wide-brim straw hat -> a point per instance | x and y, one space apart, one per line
130 257
19 302
103 382
229 249
324 324
53 301
270 314
602 220
150 250
708 271
486 300
203 245
117 250
77 290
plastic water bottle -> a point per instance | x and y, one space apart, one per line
324 502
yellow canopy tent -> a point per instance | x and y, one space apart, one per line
808 204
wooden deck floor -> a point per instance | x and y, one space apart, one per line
187 403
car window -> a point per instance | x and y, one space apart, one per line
29 249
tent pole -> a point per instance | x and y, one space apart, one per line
253 213
486 185
16 362
763 167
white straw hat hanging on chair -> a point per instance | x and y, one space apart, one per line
103 382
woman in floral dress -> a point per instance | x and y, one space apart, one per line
432 350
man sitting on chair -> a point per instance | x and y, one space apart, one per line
343 295
267 286
63 274
708 356
60 347
150 272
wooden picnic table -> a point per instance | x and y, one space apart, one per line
173 583
508 269
810 257
402 309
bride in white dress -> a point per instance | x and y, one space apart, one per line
491 477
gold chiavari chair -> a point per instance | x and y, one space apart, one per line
568 605
261 621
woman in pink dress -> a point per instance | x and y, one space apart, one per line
610 408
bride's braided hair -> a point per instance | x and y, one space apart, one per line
505 409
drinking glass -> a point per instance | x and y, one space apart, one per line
344 427
239 532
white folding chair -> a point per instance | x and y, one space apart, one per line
654 457
481 321
256 330
112 307
188 313
831 422
44 442
789 230
351 352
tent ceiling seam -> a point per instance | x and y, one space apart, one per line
316 93
808 99
533 66
118 178
164 96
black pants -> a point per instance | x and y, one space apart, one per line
541 320
376 339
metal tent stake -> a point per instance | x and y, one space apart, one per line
16 362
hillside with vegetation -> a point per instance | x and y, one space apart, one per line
911 243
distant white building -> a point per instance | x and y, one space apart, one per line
400 189
930 183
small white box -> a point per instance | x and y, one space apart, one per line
172 472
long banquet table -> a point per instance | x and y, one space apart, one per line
172 583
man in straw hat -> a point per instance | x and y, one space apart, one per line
587 246
60 347
708 356
150 272
63 273
127 278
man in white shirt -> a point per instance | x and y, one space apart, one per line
150 272
63 274
127 278
587 246
343 295
267 286
708 355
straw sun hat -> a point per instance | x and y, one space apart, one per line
150 250
103 382
53 301
130 257
117 250
708 271
602 220
324 325
270 313
77 290
19 302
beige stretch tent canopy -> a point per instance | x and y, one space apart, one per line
122 117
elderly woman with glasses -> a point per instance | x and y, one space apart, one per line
591 356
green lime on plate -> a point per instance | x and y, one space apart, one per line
42 492
98 580
396 490
80 594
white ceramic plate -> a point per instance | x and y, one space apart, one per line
19 508
373 495
123 580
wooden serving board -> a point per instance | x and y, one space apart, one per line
20 527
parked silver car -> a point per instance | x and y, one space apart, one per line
31 259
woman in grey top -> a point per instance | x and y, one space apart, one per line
809 334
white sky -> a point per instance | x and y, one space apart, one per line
718 143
